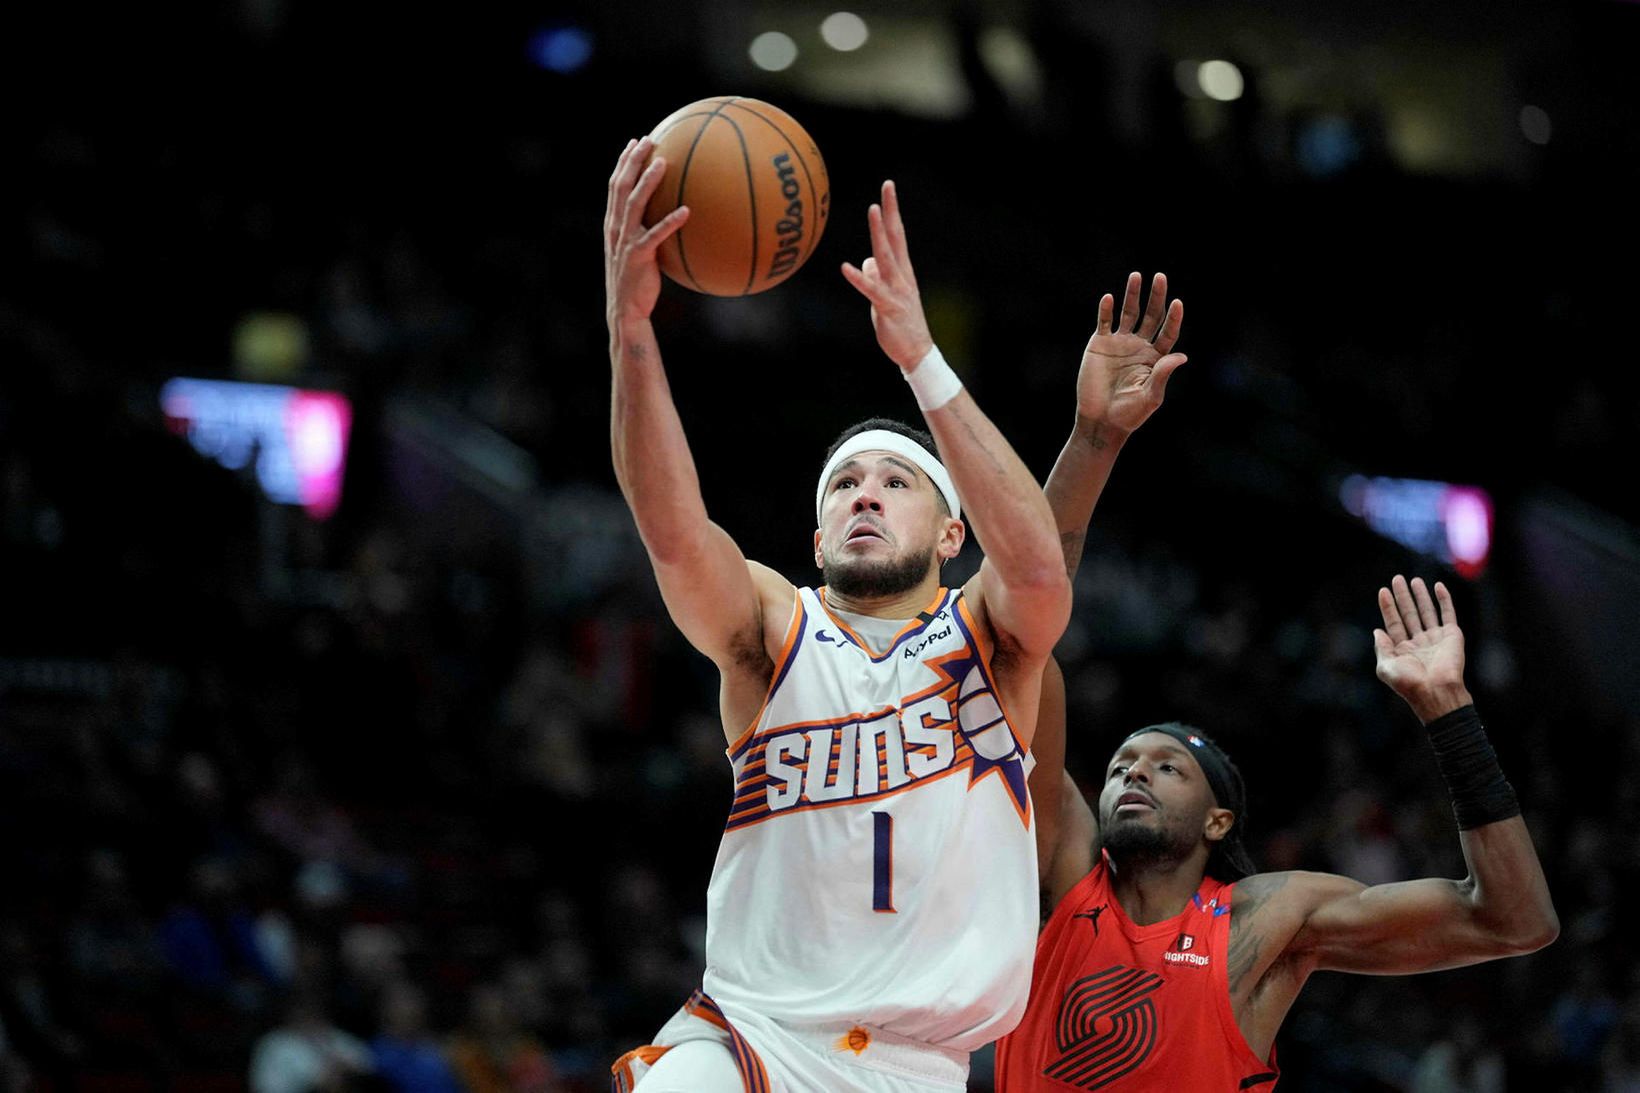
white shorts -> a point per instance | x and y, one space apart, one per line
751 1054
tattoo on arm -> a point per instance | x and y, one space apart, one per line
1245 941
979 445
1070 544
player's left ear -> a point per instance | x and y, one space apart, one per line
952 536
1218 824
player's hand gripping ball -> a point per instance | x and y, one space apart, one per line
757 193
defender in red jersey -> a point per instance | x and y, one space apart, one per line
1167 963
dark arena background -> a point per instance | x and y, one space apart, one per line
337 703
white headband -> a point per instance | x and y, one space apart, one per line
881 440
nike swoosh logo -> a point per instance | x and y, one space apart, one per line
821 635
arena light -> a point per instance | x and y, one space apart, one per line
295 441
1535 125
562 49
773 51
1444 521
1327 145
1220 80
844 31
1187 77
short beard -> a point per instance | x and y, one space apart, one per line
1135 845
876 580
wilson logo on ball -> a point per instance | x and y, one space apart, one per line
757 191
790 229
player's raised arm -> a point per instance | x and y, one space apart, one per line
1502 908
1121 382
713 594
1025 594
1048 747
1078 833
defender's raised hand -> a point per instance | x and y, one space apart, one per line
1127 362
1420 649
632 276
886 279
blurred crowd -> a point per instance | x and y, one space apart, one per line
424 797
374 846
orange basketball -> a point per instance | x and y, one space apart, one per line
757 193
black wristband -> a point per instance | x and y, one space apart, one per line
1480 793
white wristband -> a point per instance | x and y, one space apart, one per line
933 382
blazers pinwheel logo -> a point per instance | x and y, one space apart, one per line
1106 1028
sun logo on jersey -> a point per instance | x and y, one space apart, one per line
980 719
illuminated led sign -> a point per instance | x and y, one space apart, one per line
1447 522
295 441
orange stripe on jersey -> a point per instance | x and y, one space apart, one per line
699 1005
949 683
621 1070
828 722
939 599
754 1076
747 816
938 664
754 767
982 636
752 784
762 769
794 630
753 780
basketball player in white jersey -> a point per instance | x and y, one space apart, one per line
872 910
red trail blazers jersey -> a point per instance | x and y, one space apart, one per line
1118 1006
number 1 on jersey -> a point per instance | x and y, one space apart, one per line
882 862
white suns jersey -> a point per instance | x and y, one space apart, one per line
879 862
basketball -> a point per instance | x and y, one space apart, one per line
757 193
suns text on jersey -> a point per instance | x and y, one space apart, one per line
861 758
